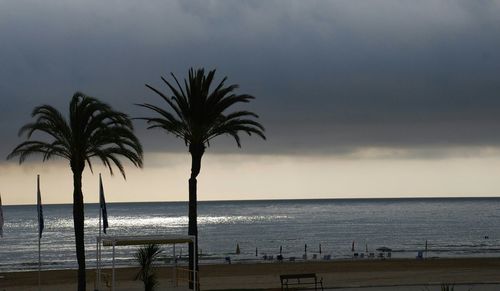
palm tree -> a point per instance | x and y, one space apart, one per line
94 130
199 115
146 257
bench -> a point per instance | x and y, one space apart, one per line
301 281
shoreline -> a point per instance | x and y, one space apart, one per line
335 274
220 261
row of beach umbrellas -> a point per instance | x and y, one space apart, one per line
381 249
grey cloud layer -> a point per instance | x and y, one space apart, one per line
329 75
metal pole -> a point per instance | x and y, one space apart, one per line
113 274
39 205
99 244
96 284
174 273
39 263
98 263
195 265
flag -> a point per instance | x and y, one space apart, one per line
39 208
1 217
102 205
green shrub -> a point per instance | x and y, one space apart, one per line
146 256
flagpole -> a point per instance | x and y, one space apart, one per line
96 288
103 223
99 240
39 264
39 236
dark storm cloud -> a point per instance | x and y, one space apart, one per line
330 76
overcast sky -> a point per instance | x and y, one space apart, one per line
333 79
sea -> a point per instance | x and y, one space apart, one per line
322 229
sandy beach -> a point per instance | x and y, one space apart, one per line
475 273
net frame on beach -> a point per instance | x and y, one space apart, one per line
114 241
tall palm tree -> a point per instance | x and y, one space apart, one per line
199 115
94 130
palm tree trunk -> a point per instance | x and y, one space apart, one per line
196 151
78 221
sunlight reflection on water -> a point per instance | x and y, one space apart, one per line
403 225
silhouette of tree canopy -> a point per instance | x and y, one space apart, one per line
94 130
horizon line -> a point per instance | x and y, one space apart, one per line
280 199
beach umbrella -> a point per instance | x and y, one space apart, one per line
384 249
238 249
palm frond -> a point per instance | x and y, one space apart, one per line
146 256
199 112
93 129
28 148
